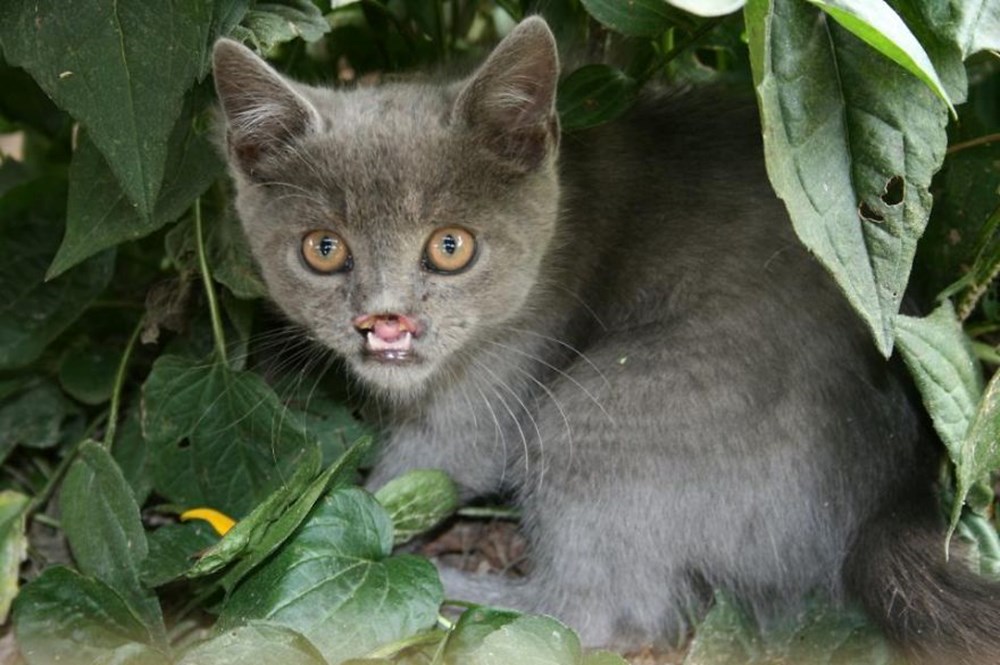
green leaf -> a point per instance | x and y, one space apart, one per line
132 456
34 312
851 143
335 582
638 18
117 71
34 418
725 637
88 374
603 658
13 547
102 524
173 549
258 535
255 643
271 23
876 24
485 636
417 502
221 438
945 370
971 25
64 617
100 215
980 451
594 94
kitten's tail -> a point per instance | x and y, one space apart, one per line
936 611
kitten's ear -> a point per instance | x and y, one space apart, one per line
263 111
510 100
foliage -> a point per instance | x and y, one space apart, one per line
142 376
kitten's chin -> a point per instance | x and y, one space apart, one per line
398 378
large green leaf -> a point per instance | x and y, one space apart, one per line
641 18
875 23
100 215
271 23
34 312
13 547
102 524
335 582
34 418
221 438
121 68
851 141
980 452
971 25
64 617
252 644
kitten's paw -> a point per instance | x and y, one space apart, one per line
484 589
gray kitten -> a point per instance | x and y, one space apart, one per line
616 326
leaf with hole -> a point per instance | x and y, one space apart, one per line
845 130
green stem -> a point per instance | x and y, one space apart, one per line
206 277
116 393
40 499
986 353
491 512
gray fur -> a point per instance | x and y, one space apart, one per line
671 387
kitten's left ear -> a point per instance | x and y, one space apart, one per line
264 112
510 100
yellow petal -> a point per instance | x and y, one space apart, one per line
221 523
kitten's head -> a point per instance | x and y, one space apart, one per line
398 224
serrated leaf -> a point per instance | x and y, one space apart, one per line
875 23
851 142
220 438
336 583
34 312
945 370
485 636
252 644
418 501
13 547
122 78
64 617
102 524
594 94
100 215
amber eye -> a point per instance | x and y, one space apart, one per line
449 250
326 252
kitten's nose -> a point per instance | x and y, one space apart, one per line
387 327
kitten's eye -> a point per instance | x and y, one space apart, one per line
449 250
326 252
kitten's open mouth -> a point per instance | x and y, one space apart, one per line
396 350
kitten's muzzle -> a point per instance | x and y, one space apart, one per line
388 337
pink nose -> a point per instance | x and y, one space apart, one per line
387 327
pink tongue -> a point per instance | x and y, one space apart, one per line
387 330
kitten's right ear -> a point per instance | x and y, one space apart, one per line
263 111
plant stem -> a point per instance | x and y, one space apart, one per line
491 512
972 143
116 393
662 61
206 277
986 353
